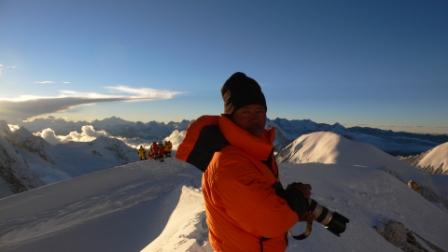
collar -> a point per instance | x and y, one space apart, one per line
259 148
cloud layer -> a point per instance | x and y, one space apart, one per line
26 106
87 134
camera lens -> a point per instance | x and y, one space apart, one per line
337 224
333 221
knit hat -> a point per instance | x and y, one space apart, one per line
240 90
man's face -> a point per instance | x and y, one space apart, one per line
251 118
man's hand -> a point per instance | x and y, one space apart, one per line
297 187
303 192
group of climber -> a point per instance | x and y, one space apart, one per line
157 151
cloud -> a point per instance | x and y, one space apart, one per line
87 134
51 82
144 93
17 109
48 135
3 68
45 82
13 127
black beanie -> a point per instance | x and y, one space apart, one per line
240 90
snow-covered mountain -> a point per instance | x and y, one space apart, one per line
176 138
154 206
77 158
331 148
15 173
395 143
27 161
435 160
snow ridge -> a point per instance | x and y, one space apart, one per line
435 160
144 181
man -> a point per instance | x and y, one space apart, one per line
142 153
168 148
153 150
247 208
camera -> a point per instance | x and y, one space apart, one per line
332 221
297 195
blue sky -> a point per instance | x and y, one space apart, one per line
369 63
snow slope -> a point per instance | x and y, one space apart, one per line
435 160
119 209
154 206
14 169
186 230
331 148
77 158
27 161
368 197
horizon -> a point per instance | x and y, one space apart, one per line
381 127
379 64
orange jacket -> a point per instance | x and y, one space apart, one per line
244 213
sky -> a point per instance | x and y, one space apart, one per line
360 63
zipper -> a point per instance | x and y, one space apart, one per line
260 241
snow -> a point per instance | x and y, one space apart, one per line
436 159
186 229
176 138
28 161
331 148
5 189
367 196
91 203
157 206
13 127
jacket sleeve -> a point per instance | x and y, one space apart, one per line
250 199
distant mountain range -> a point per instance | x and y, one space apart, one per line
395 143
28 161
114 126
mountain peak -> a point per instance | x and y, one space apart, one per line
436 159
331 148
321 147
